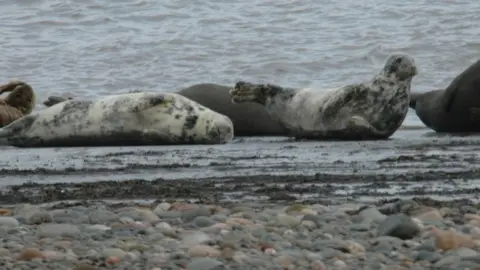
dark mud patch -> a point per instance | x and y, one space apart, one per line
443 168
334 188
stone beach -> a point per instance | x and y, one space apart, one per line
88 235
357 205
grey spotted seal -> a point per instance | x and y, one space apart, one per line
142 118
374 109
455 109
19 102
249 119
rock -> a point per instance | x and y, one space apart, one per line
100 216
285 261
29 254
84 266
182 207
372 214
287 221
446 261
400 226
336 244
202 221
204 264
359 227
462 252
53 230
98 227
295 208
163 226
195 238
447 240
113 252
8 222
308 224
162 207
190 215
203 251
424 255
169 215
355 248
318 265
138 214
339 264
318 220
39 217
238 221
433 214
5 212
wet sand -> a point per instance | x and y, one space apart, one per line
414 162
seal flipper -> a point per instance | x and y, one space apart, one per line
52 100
9 132
361 128
150 101
467 78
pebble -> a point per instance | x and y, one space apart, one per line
203 251
400 226
447 240
203 264
182 235
53 230
8 222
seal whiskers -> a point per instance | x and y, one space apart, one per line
374 109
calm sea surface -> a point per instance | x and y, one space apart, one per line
92 47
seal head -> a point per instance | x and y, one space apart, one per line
401 66
19 102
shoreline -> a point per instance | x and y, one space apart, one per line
413 163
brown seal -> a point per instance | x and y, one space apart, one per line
19 102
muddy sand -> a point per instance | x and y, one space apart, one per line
413 163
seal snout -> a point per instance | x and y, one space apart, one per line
401 65
222 129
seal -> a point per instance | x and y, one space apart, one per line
249 119
142 118
455 109
19 102
366 111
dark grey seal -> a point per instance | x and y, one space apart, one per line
374 109
455 109
249 119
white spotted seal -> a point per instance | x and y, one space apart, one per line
455 109
249 119
19 102
142 118
371 110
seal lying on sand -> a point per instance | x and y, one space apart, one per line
19 102
455 109
370 110
145 118
249 119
